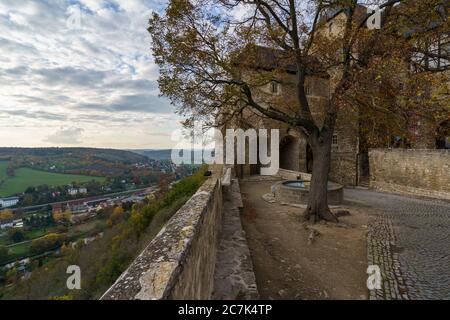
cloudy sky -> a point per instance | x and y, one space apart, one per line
80 73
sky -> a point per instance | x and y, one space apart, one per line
80 73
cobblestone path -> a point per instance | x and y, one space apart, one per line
409 238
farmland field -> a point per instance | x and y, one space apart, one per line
20 250
3 166
26 177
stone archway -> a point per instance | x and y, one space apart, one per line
443 135
290 153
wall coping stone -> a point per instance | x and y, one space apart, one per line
226 179
292 175
444 151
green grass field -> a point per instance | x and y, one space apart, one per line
25 177
29 235
3 166
37 233
21 250
4 241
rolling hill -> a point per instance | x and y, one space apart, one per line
61 166
26 177
111 155
155 154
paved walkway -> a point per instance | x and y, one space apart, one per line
234 277
410 240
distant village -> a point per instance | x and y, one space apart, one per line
80 209
83 203
48 194
37 221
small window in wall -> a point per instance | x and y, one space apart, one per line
308 90
274 87
334 140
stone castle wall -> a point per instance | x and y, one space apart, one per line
411 171
343 168
179 263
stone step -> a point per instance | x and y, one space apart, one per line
364 183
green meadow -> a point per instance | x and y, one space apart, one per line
3 166
26 177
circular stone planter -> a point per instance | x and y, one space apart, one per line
297 192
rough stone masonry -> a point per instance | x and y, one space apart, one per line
411 171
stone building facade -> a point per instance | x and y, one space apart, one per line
280 93
350 156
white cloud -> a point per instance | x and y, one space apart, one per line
66 136
94 5
94 78
133 6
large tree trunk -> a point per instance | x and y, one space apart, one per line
318 201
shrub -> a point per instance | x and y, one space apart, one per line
16 235
46 243
4 254
141 217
